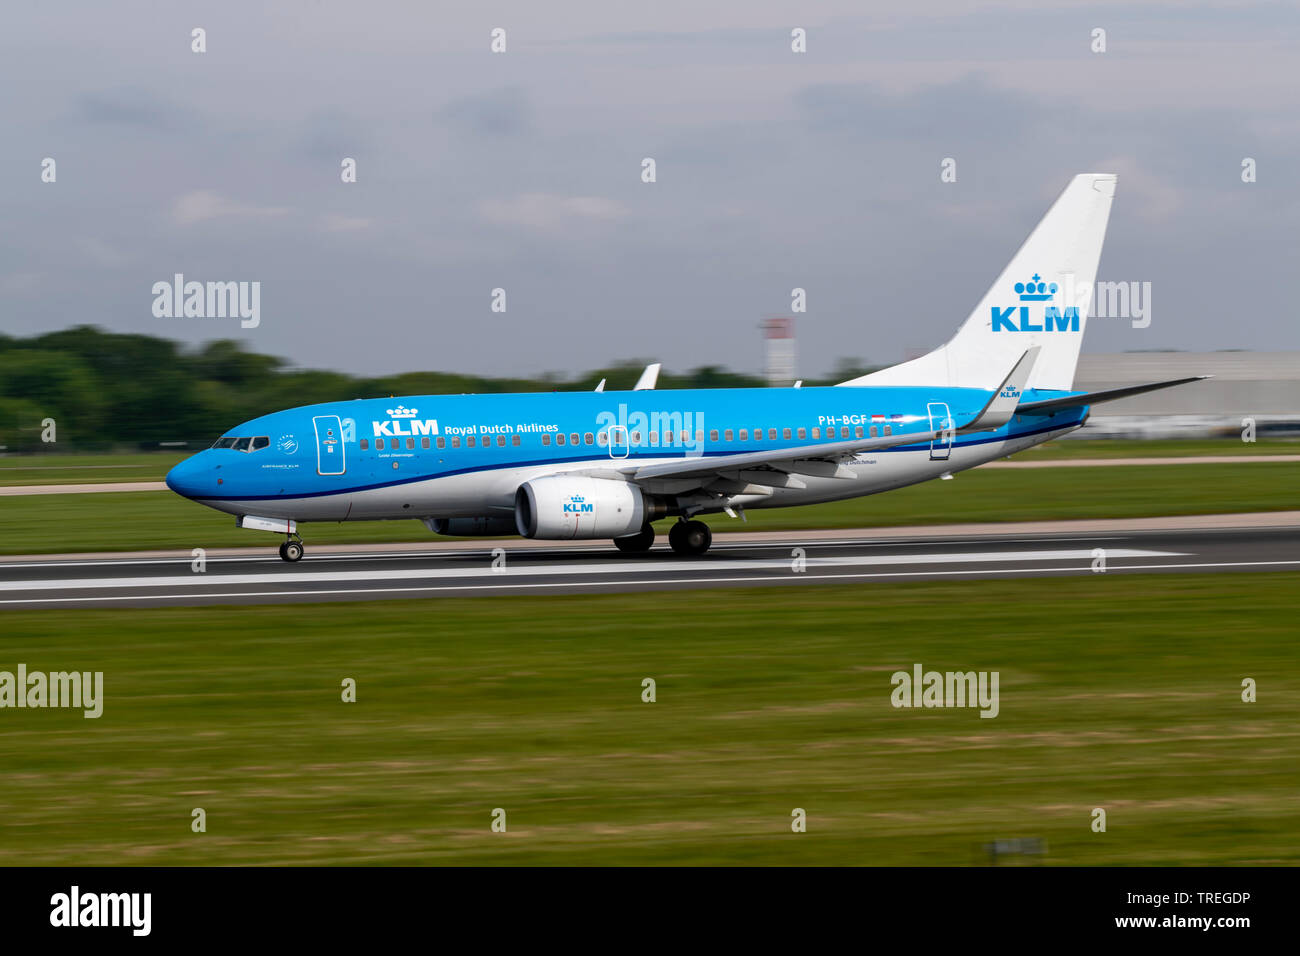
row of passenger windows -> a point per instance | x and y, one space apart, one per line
652 438
242 444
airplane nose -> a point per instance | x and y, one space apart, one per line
188 478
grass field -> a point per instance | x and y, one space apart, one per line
57 469
1115 692
160 520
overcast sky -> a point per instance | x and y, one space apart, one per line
522 170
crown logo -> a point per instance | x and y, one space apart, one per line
1035 290
401 411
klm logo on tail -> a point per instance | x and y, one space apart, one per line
1017 318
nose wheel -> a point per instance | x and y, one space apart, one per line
291 551
690 537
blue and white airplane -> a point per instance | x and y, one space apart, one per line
608 464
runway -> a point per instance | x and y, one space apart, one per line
526 567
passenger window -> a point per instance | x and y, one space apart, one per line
514 440
699 436
589 439
261 441
487 442
888 430
379 443
424 442
785 433
365 444
471 441
501 441
636 438
410 444
600 439
844 431
455 442
713 434
817 432
857 432
668 438
728 435
654 438
771 434
803 433
744 434
559 439
442 443
873 431
546 439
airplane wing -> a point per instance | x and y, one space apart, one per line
823 460
1049 405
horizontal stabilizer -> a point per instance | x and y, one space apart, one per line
1048 405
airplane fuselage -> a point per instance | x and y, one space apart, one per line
449 456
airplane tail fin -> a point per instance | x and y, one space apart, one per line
1040 300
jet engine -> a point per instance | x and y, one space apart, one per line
563 506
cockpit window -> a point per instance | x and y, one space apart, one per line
241 444
228 442
261 441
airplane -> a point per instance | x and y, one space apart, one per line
608 464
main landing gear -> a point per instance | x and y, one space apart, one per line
690 537
291 550
637 543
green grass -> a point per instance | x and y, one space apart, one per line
1116 692
160 520
86 469
58 469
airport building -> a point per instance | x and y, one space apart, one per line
1263 386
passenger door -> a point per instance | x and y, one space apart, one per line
940 421
330 456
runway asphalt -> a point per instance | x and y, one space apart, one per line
513 566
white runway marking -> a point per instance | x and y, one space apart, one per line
702 567
647 581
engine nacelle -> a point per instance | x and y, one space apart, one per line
565 506
472 527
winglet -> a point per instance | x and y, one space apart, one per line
601 386
1003 404
648 378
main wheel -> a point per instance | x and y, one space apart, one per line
690 537
643 540
291 551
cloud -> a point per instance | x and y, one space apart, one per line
496 113
336 223
547 212
204 205
133 108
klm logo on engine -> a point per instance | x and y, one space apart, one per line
404 424
578 506
1018 319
